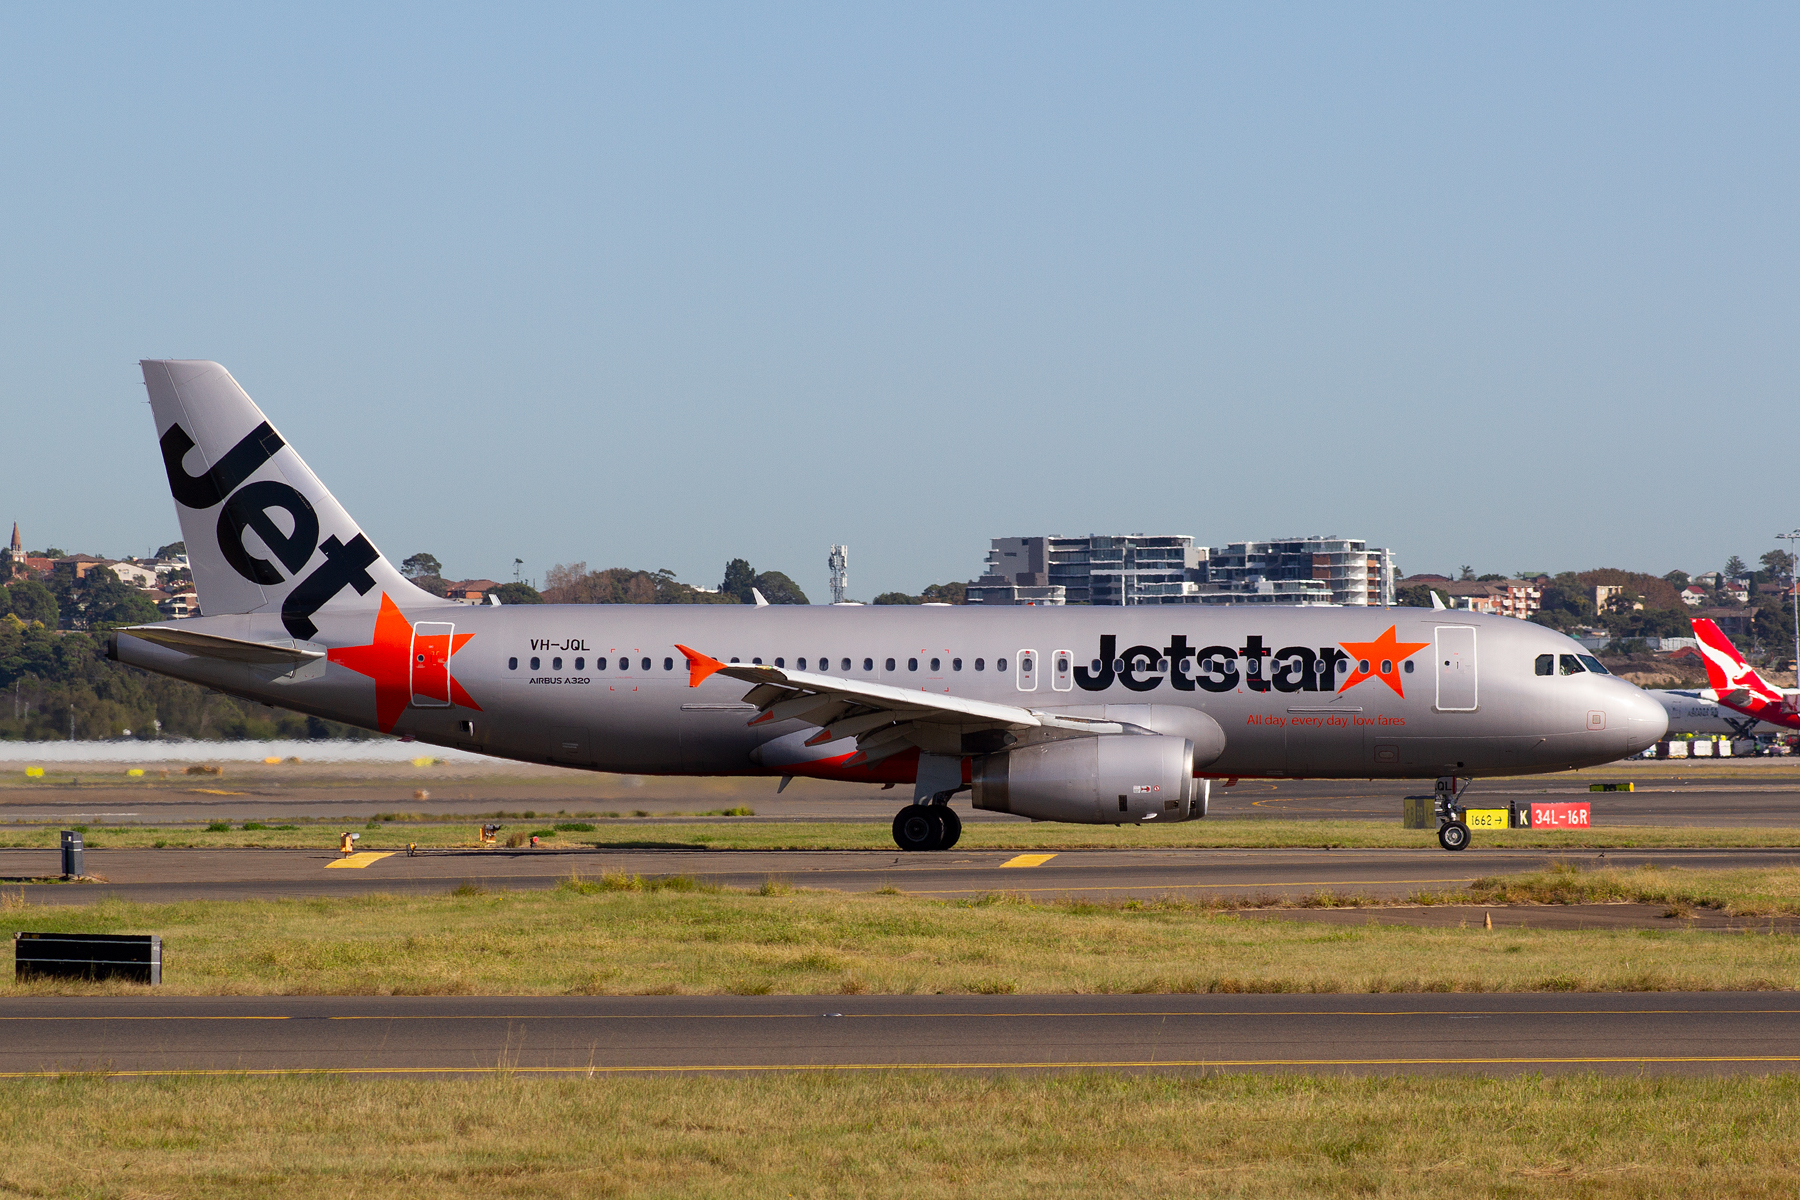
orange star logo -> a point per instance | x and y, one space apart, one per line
404 664
1380 659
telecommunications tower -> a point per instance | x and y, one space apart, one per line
839 562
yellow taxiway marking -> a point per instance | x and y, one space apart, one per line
1028 860
362 858
1050 1065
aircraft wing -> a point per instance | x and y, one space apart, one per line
883 719
211 645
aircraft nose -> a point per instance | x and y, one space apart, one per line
1645 720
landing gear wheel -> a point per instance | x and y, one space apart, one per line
952 824
919 827
1453 836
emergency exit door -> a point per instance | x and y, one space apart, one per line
1456 668
431 664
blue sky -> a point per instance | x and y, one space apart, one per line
1513 286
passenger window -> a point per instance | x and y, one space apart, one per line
868 664
668 664
646 664
1409 666
979 666
534 664
622 661
1546 664
1572 665
934 666
999 664
799 664
846 664
580 663
912 664
781 662
1362 666
890 664
956 664
1343 665
1595 665
757 661
512 664
556 663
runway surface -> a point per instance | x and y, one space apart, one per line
1699 1033
172 875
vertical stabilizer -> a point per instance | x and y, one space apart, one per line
1738 684
262 533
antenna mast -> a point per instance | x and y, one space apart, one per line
839 562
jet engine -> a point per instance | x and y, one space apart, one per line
1108 779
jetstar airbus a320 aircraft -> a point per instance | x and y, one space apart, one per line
1091 715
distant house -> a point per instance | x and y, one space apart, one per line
1503 597
1693 595
81 564
134 574
1734 623
182 604
1604 592
470 591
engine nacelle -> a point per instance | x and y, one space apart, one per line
1110 779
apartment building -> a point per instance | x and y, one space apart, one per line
1140 569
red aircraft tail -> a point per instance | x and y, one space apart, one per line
1738 684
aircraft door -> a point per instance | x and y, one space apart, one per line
1456 668
1028 672
1062 666
431 664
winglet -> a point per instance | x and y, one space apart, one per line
700 667
1436 603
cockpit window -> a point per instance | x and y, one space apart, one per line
1572 665
1546 664
1593 664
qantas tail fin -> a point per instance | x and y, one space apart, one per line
1726 669
263 534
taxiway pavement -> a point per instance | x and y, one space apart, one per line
1697 1033
1285 874
1704 792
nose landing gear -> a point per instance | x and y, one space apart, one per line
933 826
1453 832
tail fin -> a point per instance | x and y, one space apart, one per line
262 533
1726 670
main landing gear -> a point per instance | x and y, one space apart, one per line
933 826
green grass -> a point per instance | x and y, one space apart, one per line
385 834
624 934
915 1136
1750 892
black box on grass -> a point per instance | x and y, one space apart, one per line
129 956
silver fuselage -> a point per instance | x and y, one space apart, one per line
1496 716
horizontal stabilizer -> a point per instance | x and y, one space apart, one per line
211 645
